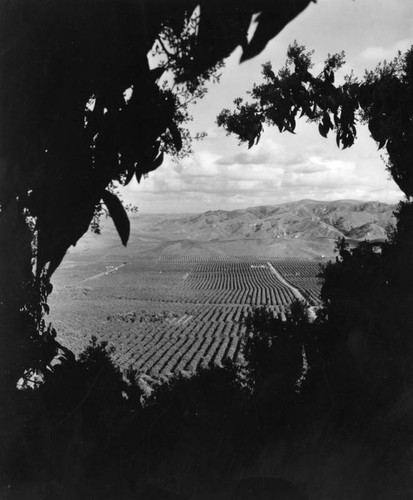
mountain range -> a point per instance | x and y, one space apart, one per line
305 228
301 219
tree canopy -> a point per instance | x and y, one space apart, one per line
68 132
382 99
58 56
84 106
359 349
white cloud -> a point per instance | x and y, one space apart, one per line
378 53
206 182
284 167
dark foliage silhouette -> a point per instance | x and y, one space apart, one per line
382 100
274 355
82 108
67 426
358 387
328 401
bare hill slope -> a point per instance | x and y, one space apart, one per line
305 228
301 219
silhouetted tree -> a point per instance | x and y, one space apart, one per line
343 382
271 348
382 99
358 386
366 293
82 107
68 432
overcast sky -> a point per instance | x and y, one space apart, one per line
285 167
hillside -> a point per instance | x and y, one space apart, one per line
301 219
305 228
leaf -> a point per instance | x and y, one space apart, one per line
176 135
251 139
272 19
303 112
338 137
147 165
327 121
157 162
118 214
382 143
323 129
156 73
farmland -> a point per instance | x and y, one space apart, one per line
171 314
174 300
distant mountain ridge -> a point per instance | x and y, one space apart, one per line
301 219
303 229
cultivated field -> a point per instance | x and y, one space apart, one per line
173 314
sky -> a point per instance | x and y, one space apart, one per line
284 167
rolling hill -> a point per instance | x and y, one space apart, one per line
302 219
305 228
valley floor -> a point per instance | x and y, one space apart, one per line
166 315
